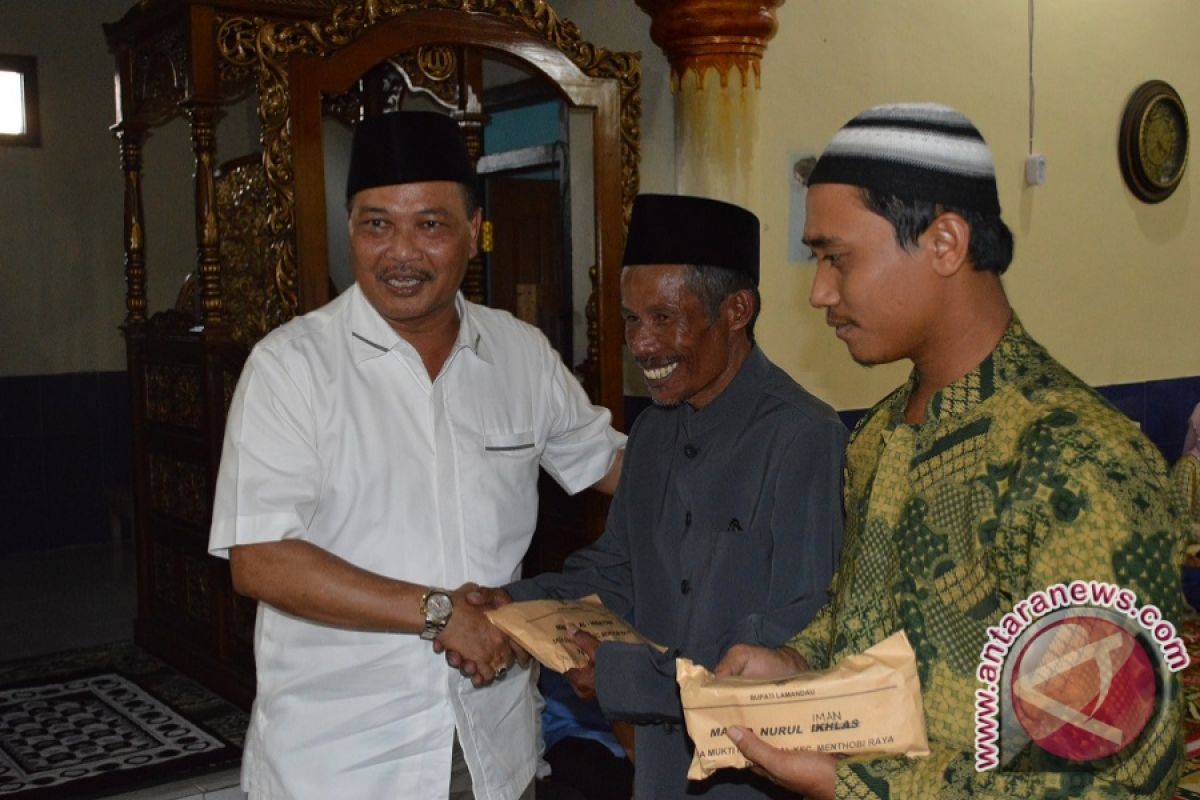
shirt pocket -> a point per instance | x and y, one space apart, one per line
518 445
740 555
506 473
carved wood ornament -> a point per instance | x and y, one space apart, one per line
281 51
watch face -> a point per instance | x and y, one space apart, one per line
439 605
1163 143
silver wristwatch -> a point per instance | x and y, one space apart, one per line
436 606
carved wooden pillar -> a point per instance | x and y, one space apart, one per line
208 263
131 139
715 48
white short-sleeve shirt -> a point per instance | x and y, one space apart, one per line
336 435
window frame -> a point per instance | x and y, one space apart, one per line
27 66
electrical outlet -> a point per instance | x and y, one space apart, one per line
1035 169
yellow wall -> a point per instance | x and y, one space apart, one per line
1109 284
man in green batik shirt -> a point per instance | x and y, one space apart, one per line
991 474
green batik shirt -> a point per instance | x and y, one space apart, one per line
1021 477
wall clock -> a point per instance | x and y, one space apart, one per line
1154 141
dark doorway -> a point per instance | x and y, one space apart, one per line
527 272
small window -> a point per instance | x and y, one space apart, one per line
19 101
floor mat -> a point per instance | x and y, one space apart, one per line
96 721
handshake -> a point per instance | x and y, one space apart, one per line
484 653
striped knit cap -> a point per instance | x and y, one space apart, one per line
915 151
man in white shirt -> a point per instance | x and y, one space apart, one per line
376 450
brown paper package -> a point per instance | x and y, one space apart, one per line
540 626
868 703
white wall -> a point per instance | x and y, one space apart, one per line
60 204
622 26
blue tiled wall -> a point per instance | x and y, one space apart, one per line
1161 408
64 450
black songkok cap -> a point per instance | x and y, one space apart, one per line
915 151
676 229
407 147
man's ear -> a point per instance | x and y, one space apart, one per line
948 238
476 223
738 309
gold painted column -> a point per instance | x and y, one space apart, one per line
715 49
131 138
203 117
